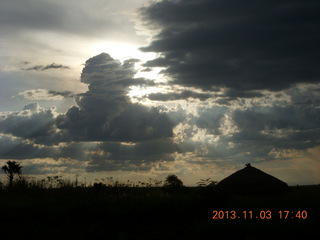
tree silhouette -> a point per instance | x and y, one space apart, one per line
173 181
12 168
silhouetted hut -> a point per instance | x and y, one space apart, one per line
251 180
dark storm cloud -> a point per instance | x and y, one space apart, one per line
133 136
65 94
105 74
33 122
178 96
105 113
49 66
136 153
105 131
228 95
21 148
17 148
276 117
261 130
242 45
234 94
211 119
308 97
119 156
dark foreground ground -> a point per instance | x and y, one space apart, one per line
157 213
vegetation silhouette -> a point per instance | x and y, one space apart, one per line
173 181
113 209
12 168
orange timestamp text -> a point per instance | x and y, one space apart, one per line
262 214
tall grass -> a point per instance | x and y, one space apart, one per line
25 182
56 182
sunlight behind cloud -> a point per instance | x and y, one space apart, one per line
140 92
125 51
120 50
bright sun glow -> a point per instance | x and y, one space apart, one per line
121 51
125 51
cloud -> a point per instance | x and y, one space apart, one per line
105 131
305 95
234 94
282 127
105 113
256 129
32 123
238 45
13 147
44 94
122 156
257 133
276 117
211 119
38 159
56 167
178 96
18 148
63 94
49 66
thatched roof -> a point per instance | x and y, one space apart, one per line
252 180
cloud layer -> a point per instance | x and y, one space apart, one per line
104 128
243 45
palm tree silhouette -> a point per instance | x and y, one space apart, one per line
11 168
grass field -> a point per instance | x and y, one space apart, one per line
156 213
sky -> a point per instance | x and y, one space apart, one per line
139 89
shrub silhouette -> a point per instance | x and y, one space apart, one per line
12 168
173 181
